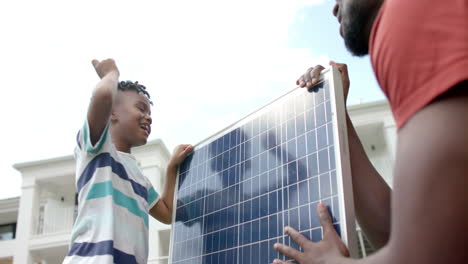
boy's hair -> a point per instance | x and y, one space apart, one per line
135 86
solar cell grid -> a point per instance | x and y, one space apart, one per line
238 189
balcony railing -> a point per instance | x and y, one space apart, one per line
365 248
55 218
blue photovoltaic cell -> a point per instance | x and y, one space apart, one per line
238 190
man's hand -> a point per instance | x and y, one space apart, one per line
331 247
179 154
312 75
105 67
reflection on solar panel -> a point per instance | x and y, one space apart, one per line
239 188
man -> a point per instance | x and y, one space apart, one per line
419 52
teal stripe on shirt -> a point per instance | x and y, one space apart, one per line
103 189
152 196
87 137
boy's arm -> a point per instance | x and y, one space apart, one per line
100 107
162 210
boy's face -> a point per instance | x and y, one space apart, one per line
131 118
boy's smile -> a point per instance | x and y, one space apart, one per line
147 128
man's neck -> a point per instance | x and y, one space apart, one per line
372 18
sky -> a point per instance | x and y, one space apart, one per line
206 64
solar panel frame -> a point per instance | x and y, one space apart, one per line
344 200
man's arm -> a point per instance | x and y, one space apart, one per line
430 216
371 192
372 195
162 210
429 203
100 107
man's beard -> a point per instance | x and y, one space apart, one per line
355 32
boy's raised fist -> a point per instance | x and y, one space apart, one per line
105 67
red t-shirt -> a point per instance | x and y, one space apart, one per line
419 50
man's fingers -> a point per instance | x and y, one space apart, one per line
310 77
314 75
287 251
296 236
306 77
300 80
325 219
342 68
303 79
279 261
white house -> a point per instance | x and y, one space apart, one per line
45 212
36 227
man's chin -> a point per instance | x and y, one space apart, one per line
355 48
355 40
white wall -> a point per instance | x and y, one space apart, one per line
376 128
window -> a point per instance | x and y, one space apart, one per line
8 231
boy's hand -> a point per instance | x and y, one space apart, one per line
163 210
179 154
105 67
312 75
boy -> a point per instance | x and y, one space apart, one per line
114 196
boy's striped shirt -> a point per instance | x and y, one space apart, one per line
114 201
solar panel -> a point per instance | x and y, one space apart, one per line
240 187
